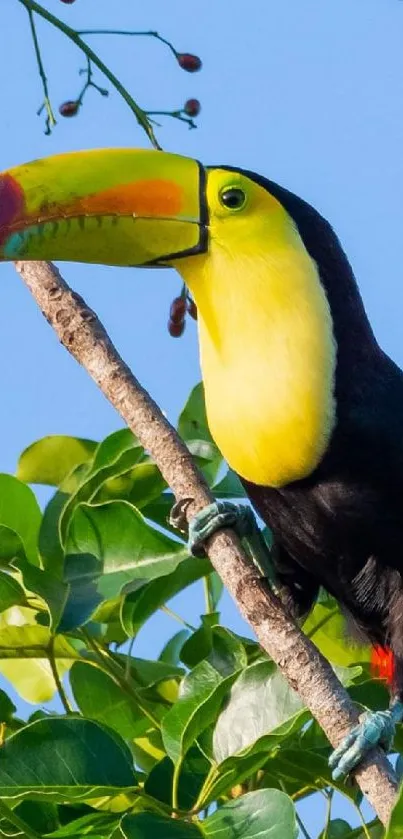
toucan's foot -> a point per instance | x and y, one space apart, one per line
376 729
216 516
225 514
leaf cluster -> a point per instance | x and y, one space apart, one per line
208 740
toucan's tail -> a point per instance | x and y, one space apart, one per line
383 664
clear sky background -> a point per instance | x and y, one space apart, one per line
306 92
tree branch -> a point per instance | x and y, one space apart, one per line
298 659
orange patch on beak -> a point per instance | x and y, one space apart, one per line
146 199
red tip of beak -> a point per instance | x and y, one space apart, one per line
11 204
383 664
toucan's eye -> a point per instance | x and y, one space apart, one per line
233 198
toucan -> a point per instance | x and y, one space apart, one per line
302 402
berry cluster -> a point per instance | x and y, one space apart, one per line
177 314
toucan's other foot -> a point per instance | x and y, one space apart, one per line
216 516
376 729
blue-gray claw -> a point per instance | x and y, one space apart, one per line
216 516
377 728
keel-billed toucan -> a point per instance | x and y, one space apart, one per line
301 400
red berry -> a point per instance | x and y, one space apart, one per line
176 329
192 107
192 309
189 62
69 108
177 310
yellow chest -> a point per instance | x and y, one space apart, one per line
268 365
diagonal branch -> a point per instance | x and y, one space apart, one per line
79 329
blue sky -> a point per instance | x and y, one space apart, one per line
309 94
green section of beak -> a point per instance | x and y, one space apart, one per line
108 206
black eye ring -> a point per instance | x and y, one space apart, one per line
233 198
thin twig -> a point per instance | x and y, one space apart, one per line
306 670
175 115
73 36
60 689
50 117
148 34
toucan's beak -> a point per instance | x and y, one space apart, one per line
109 206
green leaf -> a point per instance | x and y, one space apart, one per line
374 830
202 694
326 626
229 487
40 815
118 535
264 814
216 588
52 591
260 713
139 605
115 456
192 422
223 650
92 825
50 545
336 829
140 485
159 511
64 759
11 593
20 512
151 826
99 697
260 702
7 708
170 653
110 450
82 573
24 660
51 459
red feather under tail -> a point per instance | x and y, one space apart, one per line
383 664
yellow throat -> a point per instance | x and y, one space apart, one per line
266 340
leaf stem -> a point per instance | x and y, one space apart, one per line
60 689
175 785
50 117
176 617
207 595
329 798
362 820
73 36
24 828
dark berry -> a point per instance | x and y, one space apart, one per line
69 108
190 63
67 1
192 309
176 329
192 107
177 310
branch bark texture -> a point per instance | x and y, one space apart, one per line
306 670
